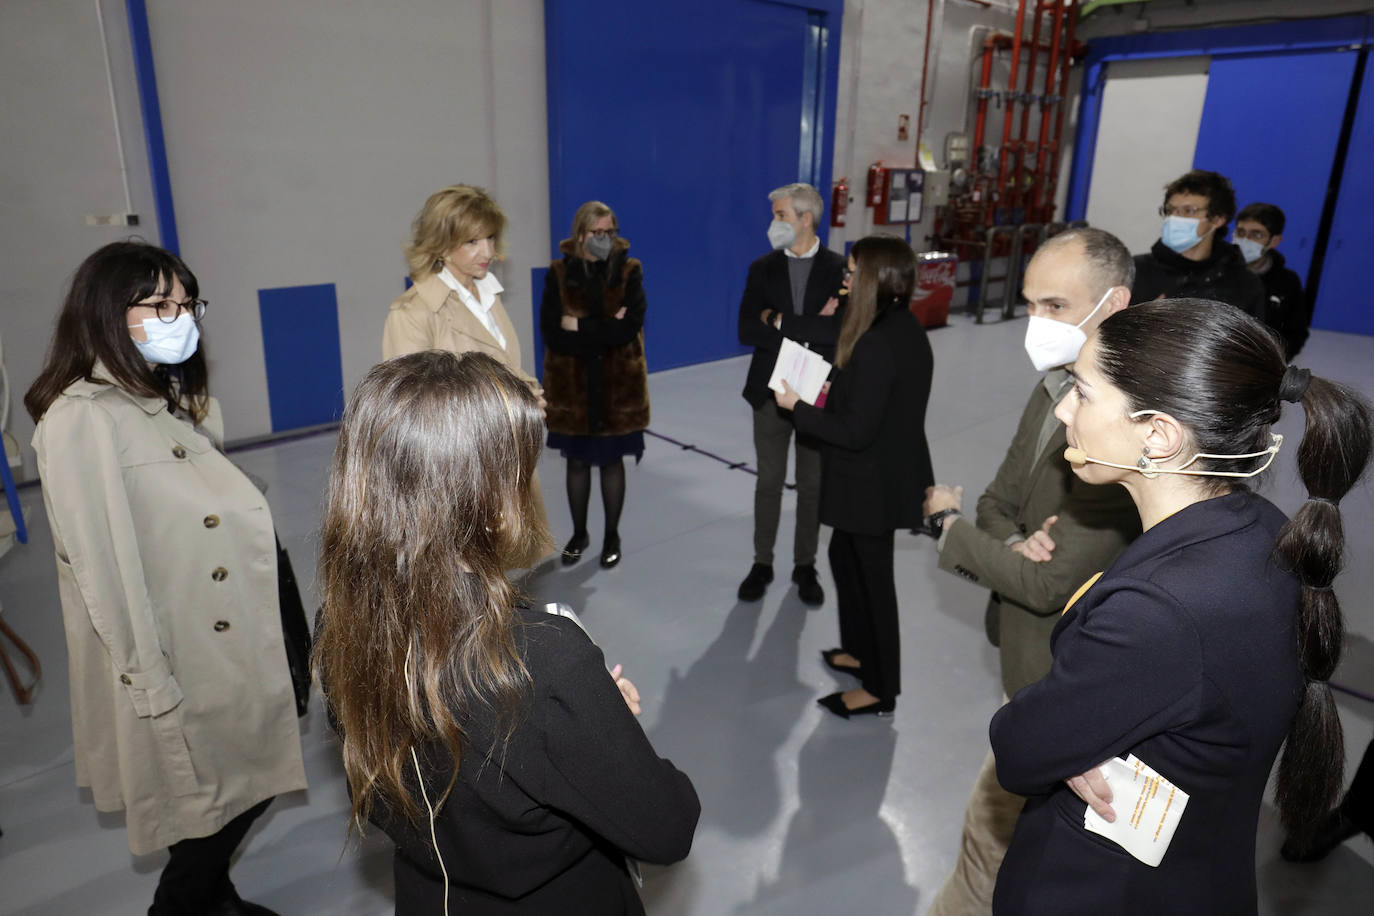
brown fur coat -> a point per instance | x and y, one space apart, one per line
595 378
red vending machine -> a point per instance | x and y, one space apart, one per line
935 283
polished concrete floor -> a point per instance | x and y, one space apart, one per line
802 813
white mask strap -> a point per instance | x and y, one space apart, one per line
1095 307
1272 451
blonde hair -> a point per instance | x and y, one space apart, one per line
450 217
586 217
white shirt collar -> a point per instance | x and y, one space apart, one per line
810 252
487 289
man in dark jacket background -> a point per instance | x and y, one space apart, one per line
1191 259
1259 229
791 292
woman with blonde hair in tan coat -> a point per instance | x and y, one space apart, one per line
183 713
454 303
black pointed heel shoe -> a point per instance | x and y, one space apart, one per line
573 552
835 703
610 552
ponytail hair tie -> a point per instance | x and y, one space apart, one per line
1322 588
1322 499
1294 384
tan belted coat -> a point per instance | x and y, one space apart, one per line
182 708
430 316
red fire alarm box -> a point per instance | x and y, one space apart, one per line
900 197
936 275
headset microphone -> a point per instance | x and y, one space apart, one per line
1147 467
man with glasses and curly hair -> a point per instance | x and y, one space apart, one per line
1191 259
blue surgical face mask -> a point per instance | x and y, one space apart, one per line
1180 233
782 234
1250 249
168 343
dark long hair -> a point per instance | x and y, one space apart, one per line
429 497
885 279
93 326
1223 376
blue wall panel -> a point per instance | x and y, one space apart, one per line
682 119
536 296
1344 301
1270 123
300 342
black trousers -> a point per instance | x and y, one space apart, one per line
197 874
867 596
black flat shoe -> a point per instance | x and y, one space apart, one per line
828 656
835 703
756 583
610 552
808 585
573 552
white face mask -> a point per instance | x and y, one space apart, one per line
782 234
1051 343
168 343
1251 250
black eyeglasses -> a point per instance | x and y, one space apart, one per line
1187 212
602 235
169 309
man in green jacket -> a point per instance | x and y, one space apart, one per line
1040 532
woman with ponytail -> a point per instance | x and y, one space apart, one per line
1208 644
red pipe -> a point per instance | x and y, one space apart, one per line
1052 177
1022 146
1008 144
984 84
925 62
1044 110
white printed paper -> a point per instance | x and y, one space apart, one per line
805 370
1148 808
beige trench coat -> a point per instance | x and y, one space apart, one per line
182 708
430 316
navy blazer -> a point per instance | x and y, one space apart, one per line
875 462
769 286
1185 654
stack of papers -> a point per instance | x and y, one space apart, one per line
804 370
1148 808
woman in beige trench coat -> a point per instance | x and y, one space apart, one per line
183 714
455 302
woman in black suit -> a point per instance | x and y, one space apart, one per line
1208 643
875 464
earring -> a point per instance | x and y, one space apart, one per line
1146 464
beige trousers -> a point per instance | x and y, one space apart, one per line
988 825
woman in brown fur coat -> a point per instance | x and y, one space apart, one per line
595 380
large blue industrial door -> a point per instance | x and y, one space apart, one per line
682 117
1270 123
1344 299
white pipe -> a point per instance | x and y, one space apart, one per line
114 111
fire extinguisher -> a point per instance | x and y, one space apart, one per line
839 202
875 184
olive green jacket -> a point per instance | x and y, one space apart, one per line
1095 525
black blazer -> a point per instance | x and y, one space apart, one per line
875 463
544 825
1185 654
770 287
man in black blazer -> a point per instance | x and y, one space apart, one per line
791 292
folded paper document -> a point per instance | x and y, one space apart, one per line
1147 806
805 370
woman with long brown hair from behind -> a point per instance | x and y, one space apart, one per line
483 735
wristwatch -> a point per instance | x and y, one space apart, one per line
933 523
